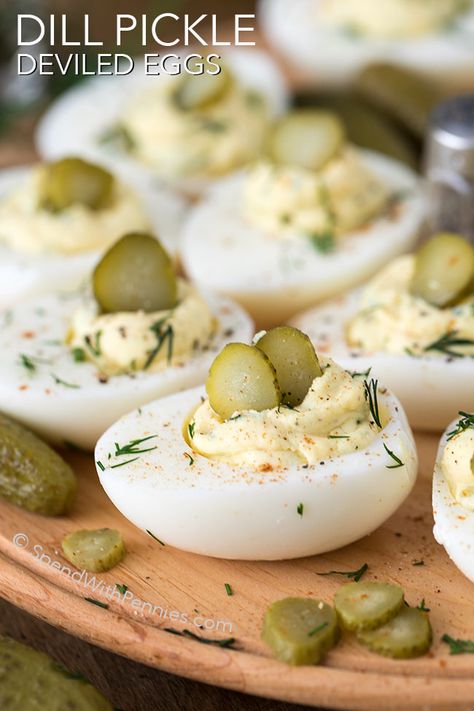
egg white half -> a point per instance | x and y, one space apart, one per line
431 388
81 407
454 525
214 509
83 114
275 277
335 57
25 275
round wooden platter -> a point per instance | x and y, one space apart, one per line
188 592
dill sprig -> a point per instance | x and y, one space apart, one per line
133 447
397 460
423 607
154 537
229 642
446 343
121 588
355 575
317 629
163 335
362 374
371 395
190 457
30 362
97 602
228 589
465 423
300 509
458 646
323 242
191 428
60 381
94 345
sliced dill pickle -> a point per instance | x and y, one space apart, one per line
307 138
300 630
198 91
401 93
242 378
32 475
407 635
363 606
295 361
136 274
95 551
73 181
444 270
32 681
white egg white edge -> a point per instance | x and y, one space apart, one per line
80 408
24 275
267 273
85 113
211 508
431 388
336 57
454 525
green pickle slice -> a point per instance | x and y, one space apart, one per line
307 138
199 91
95 551
293 356
32 475
300 630
242 378
407 635
365 605
444 270
31 681
73 181
136 274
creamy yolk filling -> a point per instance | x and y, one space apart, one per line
287 200
208 141
27 227
393 320
390 19
131 341
333 419
457 465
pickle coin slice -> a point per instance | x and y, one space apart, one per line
73 181
295 361
136 274
444 270
407 635
300 630
96 551
242 378
306 138
31 681
363 606
32 475
198 91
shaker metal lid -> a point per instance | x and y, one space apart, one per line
450 143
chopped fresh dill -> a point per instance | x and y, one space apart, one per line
338 437
458 646
163 335
228 589
121 588
190 457
355 575
101 466
371 395
465 423
300 509
448 342
97 602
363 374
234 417
317 629
397 460
191 428
94 345
155 538
79 355
423 607
60 381
133 447
123 464
229 642
30 362
323 242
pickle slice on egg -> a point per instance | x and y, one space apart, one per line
444 270
307 138
198 91
95 551
73 181
242 378
300 630
406 636
295 361
363 606
136 274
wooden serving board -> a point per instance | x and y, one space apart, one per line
180 584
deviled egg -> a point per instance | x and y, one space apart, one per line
334 39
187 129
453 493
287 456
413 325
71 364
57 218
316 216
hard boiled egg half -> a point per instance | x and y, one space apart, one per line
334 39
313 218
71 364
453 493
413 327
184 128
56 219
287 456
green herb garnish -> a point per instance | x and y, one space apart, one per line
323 242
397 460
97 602
191 428
162 336
229 642
458 646
300 509
371 395
30 362
79 355
465 423
228 589
338 437
121 588
60 381
190 457
446 343
133 447
363 374
123 464
94 345
101 466
153 536
355 575
423 607
317 629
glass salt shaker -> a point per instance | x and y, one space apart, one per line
449 167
